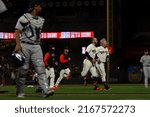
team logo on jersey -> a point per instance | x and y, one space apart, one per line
103 52
94 51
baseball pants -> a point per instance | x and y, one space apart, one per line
63 74
33 53
88 66
146 71
101 69
50 73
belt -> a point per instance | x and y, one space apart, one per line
146 65
30 43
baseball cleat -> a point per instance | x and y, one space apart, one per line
68 77
38 90
53 88
100 89
21 95
49 93
56 87
146 85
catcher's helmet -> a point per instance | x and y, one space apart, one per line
18 58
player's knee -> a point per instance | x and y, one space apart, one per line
39 63
83 74
23 70
41 76
40 70
53 76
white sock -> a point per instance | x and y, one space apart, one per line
52 82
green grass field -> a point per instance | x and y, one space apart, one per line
80 92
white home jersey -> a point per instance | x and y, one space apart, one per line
2 7
145 60
91 49
31 27
102 53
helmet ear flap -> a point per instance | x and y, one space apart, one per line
18 58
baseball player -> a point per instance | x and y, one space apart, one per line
145 61
27 35
3 7
50 63
103 56
89 63
64 64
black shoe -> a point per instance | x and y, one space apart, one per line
85 82
95 87
50 93
106 86
38 90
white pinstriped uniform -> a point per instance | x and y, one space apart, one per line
102 54
87 64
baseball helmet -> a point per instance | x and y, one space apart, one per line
18 58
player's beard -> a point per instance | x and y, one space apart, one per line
39 12
95 43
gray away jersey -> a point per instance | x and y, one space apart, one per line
145 60
31 28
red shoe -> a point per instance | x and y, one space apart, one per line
68 77
53 88
100 89
56 87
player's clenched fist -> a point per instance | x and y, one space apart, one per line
69 59
93 61
98 61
